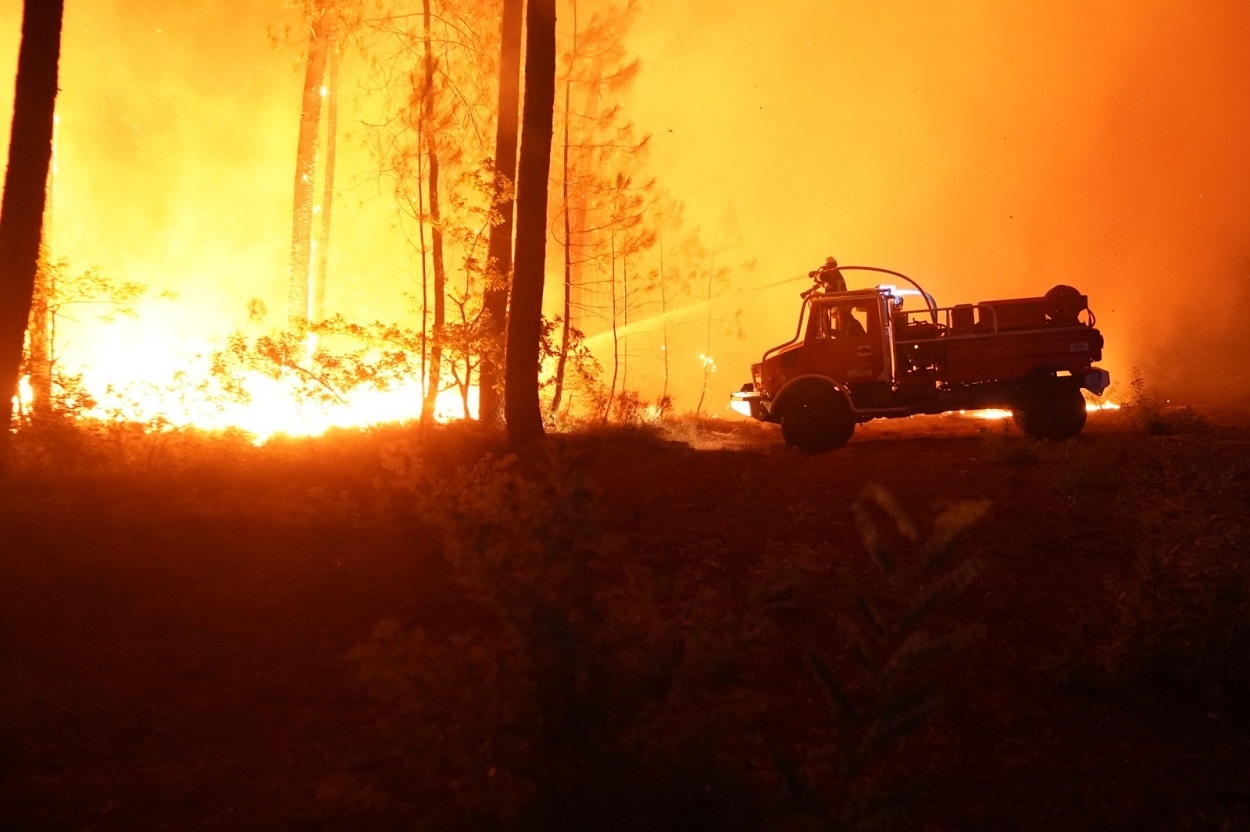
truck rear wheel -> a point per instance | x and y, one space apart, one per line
1052 410
817 420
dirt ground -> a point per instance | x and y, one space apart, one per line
177 634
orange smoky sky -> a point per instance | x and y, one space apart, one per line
989 149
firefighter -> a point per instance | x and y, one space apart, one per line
829 277
848 325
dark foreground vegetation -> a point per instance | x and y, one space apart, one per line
942 626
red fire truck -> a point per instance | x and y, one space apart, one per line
859 355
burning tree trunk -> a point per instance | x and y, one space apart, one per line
433 376
495 297
628 236
596 146
521 406
25 188
327 193
298 279
616 341
39 356
566 319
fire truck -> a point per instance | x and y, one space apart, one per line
859 355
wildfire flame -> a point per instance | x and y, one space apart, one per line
192 398
998 413
271 408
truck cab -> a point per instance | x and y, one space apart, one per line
842 336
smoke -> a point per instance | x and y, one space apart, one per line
173 164
175 149
986 149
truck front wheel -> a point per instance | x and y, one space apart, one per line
1051 410
817 420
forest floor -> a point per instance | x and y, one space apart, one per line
333 633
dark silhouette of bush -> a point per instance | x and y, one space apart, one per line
536 714
588 693
1184 614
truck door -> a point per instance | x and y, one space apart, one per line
844 341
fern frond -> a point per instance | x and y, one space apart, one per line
869 614
956 580
884 500
887 731
802 796
918 650
834 688
949 527
855 639
881 810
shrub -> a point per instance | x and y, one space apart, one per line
1183 615
534 713
583 691
895 635
1156 415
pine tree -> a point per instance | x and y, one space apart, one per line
499 248
521 406
25 188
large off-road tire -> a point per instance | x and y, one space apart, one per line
817 419
1050 409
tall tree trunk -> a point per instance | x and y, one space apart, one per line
581 296
522 410
663 325
25 189
499 248
566 322
616 343
39 341
298 277
425 263
436 229
625 318
327 193
706 358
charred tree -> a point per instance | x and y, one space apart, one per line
599 152
322 267
499 248
629 235
39 339
298 278
433 374
25 188
616 338
566 212
522 410
663 288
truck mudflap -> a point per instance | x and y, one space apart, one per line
1096 380
749 402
